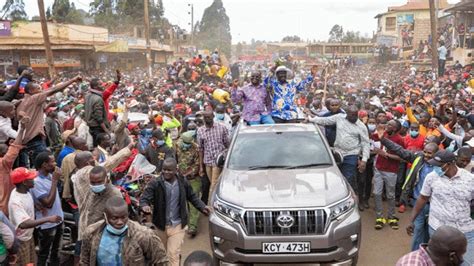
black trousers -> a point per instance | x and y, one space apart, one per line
49 244
95 131
364 181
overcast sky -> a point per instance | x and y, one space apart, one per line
271 20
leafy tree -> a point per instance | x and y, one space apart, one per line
354 37
214 29
336 33
14 10
293 38
60 10
105 13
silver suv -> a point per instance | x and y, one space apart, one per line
282 199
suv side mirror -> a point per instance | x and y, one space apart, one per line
337 156
220 160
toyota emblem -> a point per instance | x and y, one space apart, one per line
285 221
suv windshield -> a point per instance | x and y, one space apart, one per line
278 150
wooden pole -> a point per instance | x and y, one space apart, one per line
147 36
434 36
47 43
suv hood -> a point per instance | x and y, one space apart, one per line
279 188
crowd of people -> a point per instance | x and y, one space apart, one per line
73 147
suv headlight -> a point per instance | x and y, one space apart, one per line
230 212
342 208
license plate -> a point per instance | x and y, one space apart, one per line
286 247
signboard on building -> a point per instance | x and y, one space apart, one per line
405 19
60 60
386 40
5 28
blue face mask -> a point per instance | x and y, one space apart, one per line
439 171
114 230
220 116
160 142
414 133
98 188
186 146
371 127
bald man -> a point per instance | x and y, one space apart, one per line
446 247
120 241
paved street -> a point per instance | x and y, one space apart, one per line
382 247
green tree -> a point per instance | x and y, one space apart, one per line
336 34
105 13
293 38
14 10
60 10
214 29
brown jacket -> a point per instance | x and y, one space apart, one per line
141 246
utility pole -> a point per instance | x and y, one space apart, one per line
47 43
192 23
147 36
434 36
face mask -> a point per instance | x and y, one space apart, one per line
439 171
98 188
186 146
414 133
114 230
220 116
160 142
371 127
193 132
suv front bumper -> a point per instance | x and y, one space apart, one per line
338 246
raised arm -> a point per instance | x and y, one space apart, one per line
327 121
62 86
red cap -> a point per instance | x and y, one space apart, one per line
21 174
363 113
399 109
131 126
50 109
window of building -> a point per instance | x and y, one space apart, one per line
390 23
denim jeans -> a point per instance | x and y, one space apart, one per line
469 255
264 119
420 232
349 169
30 151
49 244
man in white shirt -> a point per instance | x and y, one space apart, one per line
442 53
450 191
7 112
22 213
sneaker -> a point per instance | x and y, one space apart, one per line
366 205
379 223
192 232
401 209
393 222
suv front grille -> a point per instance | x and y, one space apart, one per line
265 222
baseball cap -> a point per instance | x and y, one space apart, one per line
442 157
131 126
21 174
187 137
399 109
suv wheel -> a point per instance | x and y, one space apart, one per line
355 259
216 261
